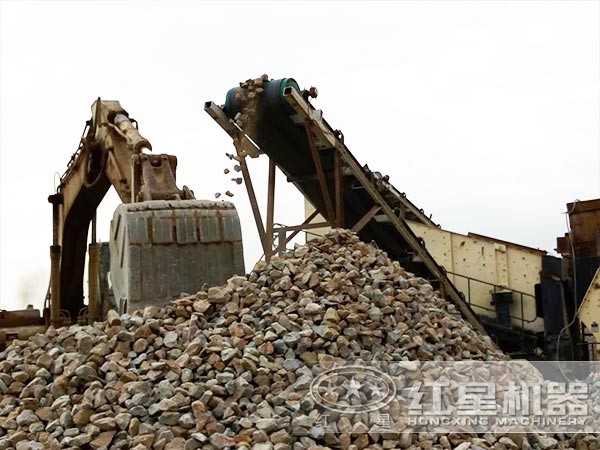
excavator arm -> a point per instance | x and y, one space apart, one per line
111 153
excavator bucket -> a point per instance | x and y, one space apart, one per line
161 248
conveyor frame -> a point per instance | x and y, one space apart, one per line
320 136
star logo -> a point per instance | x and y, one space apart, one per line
329 392
377 392
353 388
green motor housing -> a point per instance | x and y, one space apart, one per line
272 95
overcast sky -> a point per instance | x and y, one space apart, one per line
487 114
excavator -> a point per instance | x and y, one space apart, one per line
532 304
163 241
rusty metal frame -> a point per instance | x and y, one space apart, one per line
305 225
268 230
270 208
366 218
319 170
339 190
214 111
252 197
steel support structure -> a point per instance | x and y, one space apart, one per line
325 135
366 219
268 231
339 190
319 171
320 136
270 208
55 254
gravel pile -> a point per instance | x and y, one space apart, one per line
229 367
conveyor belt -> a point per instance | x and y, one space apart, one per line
292 133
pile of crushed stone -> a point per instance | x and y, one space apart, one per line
231 367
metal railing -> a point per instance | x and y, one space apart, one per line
496 288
